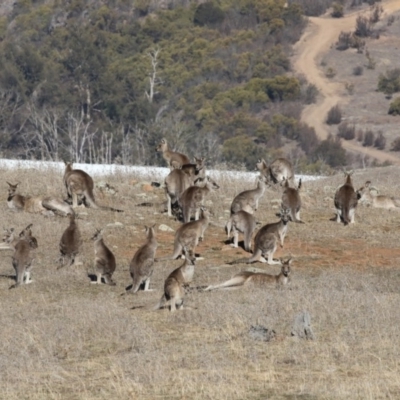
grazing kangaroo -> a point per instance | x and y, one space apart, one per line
242 222
248 200
173 158
245 278
141 266
291 201
70 243
45 205
266 241
366 196
105 263
79 183
278 171
176 182
22 258
193 198
188 236
174 286
346 201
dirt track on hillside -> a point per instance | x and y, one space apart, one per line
320 34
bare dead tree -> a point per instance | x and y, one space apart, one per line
153 78
78 133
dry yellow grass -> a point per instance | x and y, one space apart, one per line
63 338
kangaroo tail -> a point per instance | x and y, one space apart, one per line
161 303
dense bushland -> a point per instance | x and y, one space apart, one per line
103 82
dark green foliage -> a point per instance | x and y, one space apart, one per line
394 108
369 138
242 150
396 145
389 83
331 152
380 141
208 14
334 116
337 10
346 131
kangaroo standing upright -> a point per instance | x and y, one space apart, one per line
22 258
174 286
266 240
242 222
141 266
291 201
105 263
278 171
70 243
173 158
346 201
248 200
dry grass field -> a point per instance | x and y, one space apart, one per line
64 338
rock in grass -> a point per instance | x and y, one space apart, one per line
302 326
259 332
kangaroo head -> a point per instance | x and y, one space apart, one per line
285 270
150 231
26 234
200 163
285 215
211 183
9 235
348 175
12 188
97 235
162 146
205 213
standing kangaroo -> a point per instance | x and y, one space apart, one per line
245 278
176 182
266 241
173 158
44 205
105 263
141 266
193 198
188 236
79 183
248 200
346 201
242 222
70 243
22 258
291 201
278 171
197 169
174 286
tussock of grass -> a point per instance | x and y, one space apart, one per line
64 338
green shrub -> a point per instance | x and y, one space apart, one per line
208 14
334 116
337 10
394 108
389 83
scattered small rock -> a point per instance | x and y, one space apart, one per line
302 326
165 228
259 332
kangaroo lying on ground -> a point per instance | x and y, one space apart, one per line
257 278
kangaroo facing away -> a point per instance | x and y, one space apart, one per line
173 158
193 198
248 200
47 206
70 243
346 201
266 241
242 222
104 261
369 197
79 183
188 236
174 286
291 201
141 266
245 278
278 171
22 258
176 182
